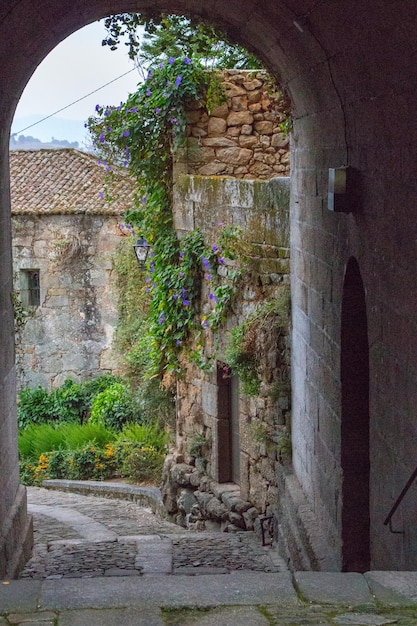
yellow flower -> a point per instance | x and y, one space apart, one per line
109 450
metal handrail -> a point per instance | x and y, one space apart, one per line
398 502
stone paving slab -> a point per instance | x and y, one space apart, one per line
20 596
238 599
397 589
237 588
228 616
112 617
334 588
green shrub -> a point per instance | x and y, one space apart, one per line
139 464
71 402
77 435
87 463
91 452
43 438
147 435
38 439
113 407
34 407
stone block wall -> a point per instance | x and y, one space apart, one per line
198 489
70 333
243 136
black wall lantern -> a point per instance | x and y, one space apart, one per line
141 249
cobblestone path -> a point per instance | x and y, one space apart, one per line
85 536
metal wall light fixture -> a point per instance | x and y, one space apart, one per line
342 190
141 249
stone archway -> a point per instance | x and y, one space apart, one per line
345 80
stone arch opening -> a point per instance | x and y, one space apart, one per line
355 462
283 37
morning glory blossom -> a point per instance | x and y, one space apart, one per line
178 80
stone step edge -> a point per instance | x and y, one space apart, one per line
150 497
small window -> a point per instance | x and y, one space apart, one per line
30 287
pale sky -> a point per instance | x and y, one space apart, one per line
76 67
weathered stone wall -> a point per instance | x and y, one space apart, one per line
194 490
70 333
243 136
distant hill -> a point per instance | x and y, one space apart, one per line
50 131
32 143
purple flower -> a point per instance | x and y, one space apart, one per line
178 80
219 223
221 260
101 194
171 60
107 112
205 324
187 61
208 276
181 274
148 92
178 342
161 319
214 248
173 120
102 138
126 133
175 297
134 110
157 110
148 279
149 74
152 268
161 65
97 107
205 262
186 302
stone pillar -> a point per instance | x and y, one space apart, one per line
15 524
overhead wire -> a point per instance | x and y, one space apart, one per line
75 102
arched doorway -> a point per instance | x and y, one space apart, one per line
355 423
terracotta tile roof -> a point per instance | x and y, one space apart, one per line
64 182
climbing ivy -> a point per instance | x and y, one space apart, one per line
144 135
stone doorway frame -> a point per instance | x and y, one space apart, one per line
355 457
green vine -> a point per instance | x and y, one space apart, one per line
143 135
245 350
